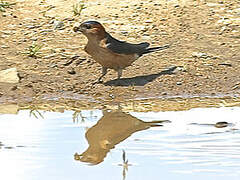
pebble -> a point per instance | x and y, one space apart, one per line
45 30
71 71
58 24
164 93
4 46
146 37
14 88
32 26
171 69
199 55
124 32
9 75
180 68
157 4
7 32
49 56
149 21
4 14
225 64
34 39
53 65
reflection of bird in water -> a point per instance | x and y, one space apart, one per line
110 130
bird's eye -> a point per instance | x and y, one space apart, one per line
87 26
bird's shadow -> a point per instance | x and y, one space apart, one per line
139 80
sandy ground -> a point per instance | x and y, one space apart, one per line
203 60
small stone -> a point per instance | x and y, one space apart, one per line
164 93
146 37
67 62
29 85
71 71
31 26
225 64
9 75
58 25
199 55
181 68
34 39
45 30
53 65
49 56
14 88
4 46
149 21
163 19
124 32
111 96
7 32
171 69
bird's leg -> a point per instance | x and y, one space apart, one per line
104 72
119 73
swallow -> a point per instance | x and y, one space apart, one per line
109 52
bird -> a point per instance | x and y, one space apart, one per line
110 52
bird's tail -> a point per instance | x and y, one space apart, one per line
149 50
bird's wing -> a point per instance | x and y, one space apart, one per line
122 47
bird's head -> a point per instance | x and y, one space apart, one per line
90 29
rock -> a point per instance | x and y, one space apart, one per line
171 69
225 64
49 56
58 25
71 71
180 69
199 55
164 93
9 75
146 37
45 31
4 46
149 21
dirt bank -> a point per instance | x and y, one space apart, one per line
203 60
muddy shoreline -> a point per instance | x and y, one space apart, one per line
140 105
203 61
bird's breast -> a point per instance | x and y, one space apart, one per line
107 58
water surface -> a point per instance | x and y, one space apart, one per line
95 144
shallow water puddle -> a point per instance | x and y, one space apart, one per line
194 144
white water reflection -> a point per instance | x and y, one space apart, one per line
190 147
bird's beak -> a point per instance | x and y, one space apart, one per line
77 27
